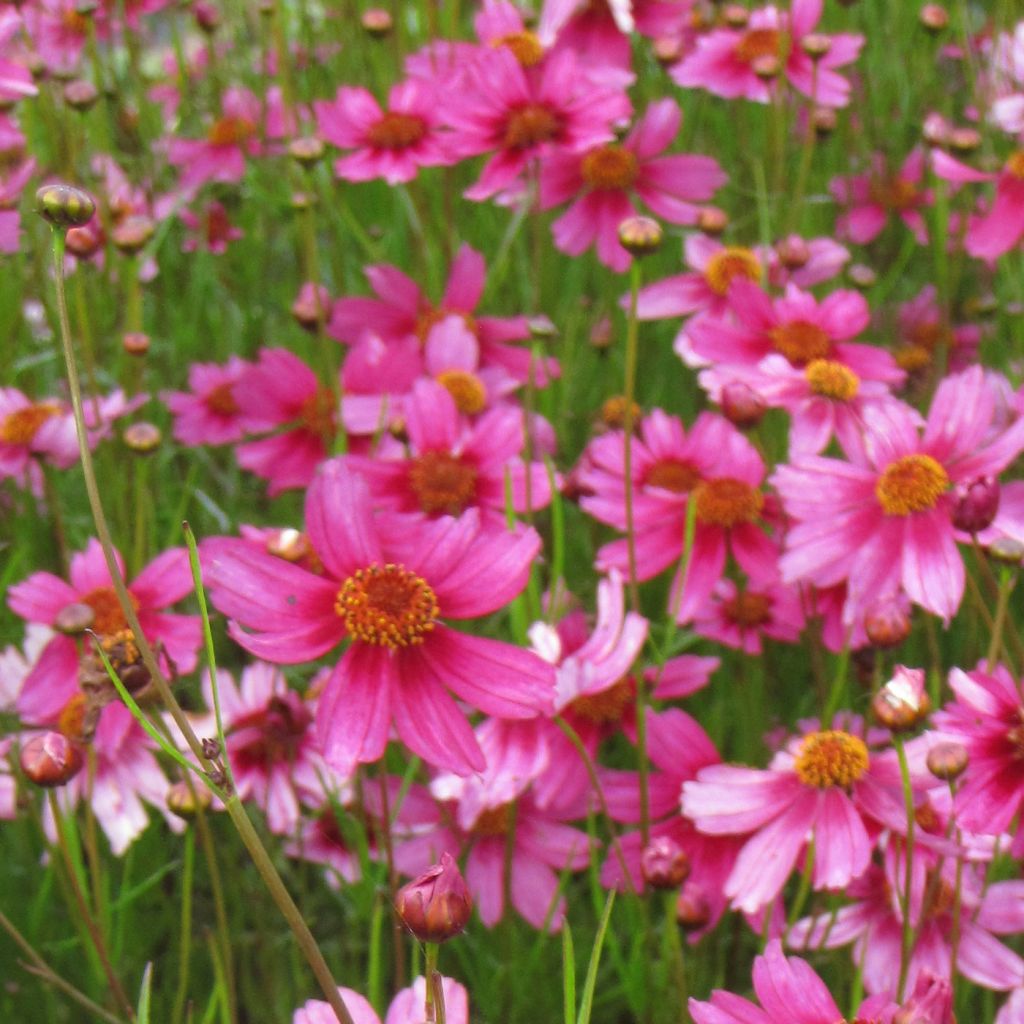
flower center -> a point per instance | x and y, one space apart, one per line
610 167
939 897
396 131
608 706
831 758
443 483
230 130
748 609
913 358
1015 165
218 227
387 605
759 42
800 341
830 379
726 502
1015 736
120 648
73 22
531 125
107 615
913 483
492 822
71 720
930 335
318 413
669 475
728 263
271 734
525 46
221 400
20 426
893 193
466 388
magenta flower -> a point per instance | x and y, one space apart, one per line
386 589
743 617
43 596
605 179
924 332
406 1008
883 520
392 144
871 198
503 110
209 412
210 230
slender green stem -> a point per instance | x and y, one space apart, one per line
185 928
431 949
907 942
223 940
628 392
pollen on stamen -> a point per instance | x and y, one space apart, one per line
831 758
609 167
913 483
108 616
466 389
727 502
531 125
22 425
729 263
831 379
443 483
525 46
396 130
387 606
801 342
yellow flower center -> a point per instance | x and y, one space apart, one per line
913 358
20 426
609 167
913 483
748 609
729 263
107 616
830 379
466 389
230 130
831 758
677 477
387 605
396 131
609 705
525 46
71 720
800 341
221 399
443 483
531 125
727 502
759 42
1015 165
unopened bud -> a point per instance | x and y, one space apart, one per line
542 328
207 16
312 307
935 130
74 619
664 864
793 252
613 413
693 910
824 121
50 759
65 206
1006 551
816 45
640 236
601 334
931 1002
84 242
377 22
964 140
712 220
668 50
981 305
186 801
132 234
735 15
975 504
80 94
934 17
861 275
303 200
766 66
903 702
142 438
887 623
947 761
306 151
742 405
135 343
436 906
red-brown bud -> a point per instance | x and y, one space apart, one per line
975 504
903 702
50 759
436 906
887 623
947 761
692 908
664 864
741 405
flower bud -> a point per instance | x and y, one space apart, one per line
692 908
947 761
135 343
964 140
613 413
824 121
80 94
887 623
64 206
50 759
186 801
312 307
861 275
668 50
975 504
816 45
934 17
207 16
132 234
436 906
1006 551
84 242
142 438
931 1002
640 235
377 22
902 703
741 405
74 619
793 252
664 864
712 220
601 334
306 151
735 15
766 66
935 130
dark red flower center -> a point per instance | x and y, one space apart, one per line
221 400
397 131
800 341
609 167
727 502
748 609
531 125
608 706
443 483
272 734
670 475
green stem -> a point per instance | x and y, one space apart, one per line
431 949
185 929
907 942
629 390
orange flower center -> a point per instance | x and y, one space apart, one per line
120 648
230 130
748 609
443 483
221 400
830 379
726 502
609 167
677 477
20 426
387 605
73 22
492 822
930 335
913 483
318 413
729 263
71 720
893 193
278 731
1015 165
759 42
913 358
831 758
525 46
397 131
107 615
531 125
608 706
466 389
800 341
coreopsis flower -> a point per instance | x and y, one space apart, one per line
406 1008
870 199
742 617
731 62
209 413
387 590
883 520
603 181
209 229
90 597
874 923
451 466
58 31
392 144
788 989
923 332
516 116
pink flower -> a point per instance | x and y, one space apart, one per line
392 144
406 1008
883 520
741 618
794 260
209 413
210 230
924 333
871 198
43 596
387 588
726 61
604 180
501 109
10 192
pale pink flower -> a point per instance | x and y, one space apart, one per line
209 412
408 1006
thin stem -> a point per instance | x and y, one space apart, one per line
223 940
185 928
629 390
431 950
907 943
